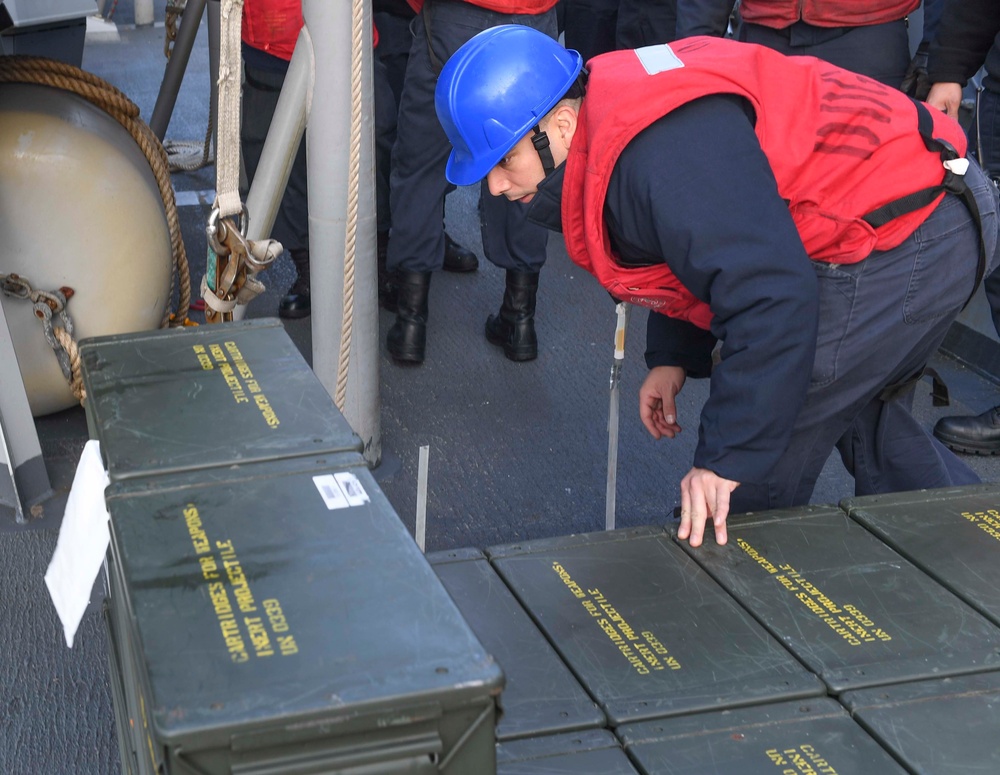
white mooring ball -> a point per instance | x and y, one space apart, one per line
79 207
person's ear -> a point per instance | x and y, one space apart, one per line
565 123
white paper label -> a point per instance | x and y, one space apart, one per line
341 490
656 59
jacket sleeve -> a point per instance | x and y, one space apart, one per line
674 342
964 34
696 188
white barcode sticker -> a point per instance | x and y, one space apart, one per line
333 497
341 490
352 489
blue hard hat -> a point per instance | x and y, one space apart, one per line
494 89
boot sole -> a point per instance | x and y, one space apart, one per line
958 445
460 269
407 359
511 355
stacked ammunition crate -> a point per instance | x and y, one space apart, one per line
267 610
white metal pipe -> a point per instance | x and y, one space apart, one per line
281 145
328 140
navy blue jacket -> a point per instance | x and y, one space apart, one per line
695 190
967 38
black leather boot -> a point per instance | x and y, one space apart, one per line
458 258
979 435
296 303
408 336
513 328
386 288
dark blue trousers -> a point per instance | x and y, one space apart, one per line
417 182
984 144
881 320
880 51
590 26
646 22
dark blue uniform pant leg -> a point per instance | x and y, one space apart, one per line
881 320
880 51
417 182
984 143
385 136
590 26
646 23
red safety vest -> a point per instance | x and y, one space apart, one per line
840 145
825 13
503 6
272 25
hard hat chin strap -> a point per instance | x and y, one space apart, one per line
541 142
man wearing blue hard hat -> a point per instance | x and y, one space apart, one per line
821 228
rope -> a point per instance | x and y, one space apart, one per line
187 155
47 306
68 344
48 72
353 185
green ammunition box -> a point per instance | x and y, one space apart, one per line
951 534
206 396
851 608
541 695
936 726
590 751
808 736
277 618
646 631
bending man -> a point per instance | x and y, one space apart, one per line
819 225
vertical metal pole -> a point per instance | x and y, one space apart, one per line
328 141
622 315
420 527
173 75
24 480
214 43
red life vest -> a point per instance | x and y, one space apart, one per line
824 13
503 6
840 146
272 25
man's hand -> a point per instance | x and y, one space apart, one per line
656 401
704 496
946 97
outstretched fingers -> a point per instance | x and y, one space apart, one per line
705 497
